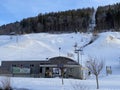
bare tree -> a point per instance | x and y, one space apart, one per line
6 83
95 66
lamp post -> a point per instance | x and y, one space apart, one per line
59 50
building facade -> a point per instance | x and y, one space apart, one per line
53 67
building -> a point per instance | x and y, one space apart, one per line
53 67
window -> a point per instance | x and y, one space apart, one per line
31 65
13 65
71 69
40 69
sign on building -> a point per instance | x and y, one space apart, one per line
20 70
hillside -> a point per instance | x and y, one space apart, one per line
79 20
42 45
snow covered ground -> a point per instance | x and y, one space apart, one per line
41 46
106 83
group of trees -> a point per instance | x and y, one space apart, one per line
108 17
64 21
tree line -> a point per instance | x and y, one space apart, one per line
108 18
54 22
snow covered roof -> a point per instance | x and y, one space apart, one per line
62 60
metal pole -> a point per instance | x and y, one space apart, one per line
17 38
59 50
62 72
81 52
62 80
81 58
78 56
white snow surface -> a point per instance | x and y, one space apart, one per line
43 45
39 46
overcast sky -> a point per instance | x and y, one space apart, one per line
16 10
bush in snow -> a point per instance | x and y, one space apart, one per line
5 83
79 86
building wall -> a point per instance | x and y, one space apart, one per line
74 72
37 71
33 65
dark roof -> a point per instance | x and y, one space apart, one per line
55 60
62 60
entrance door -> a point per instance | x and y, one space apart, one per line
48 72
56 72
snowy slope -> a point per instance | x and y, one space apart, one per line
106 48
41 46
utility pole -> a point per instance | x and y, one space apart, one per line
76 51
79 51
61 67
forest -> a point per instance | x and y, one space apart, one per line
54 22
107 18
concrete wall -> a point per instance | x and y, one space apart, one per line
33 65
8 75
74 72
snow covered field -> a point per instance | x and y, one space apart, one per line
41 46
111 82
